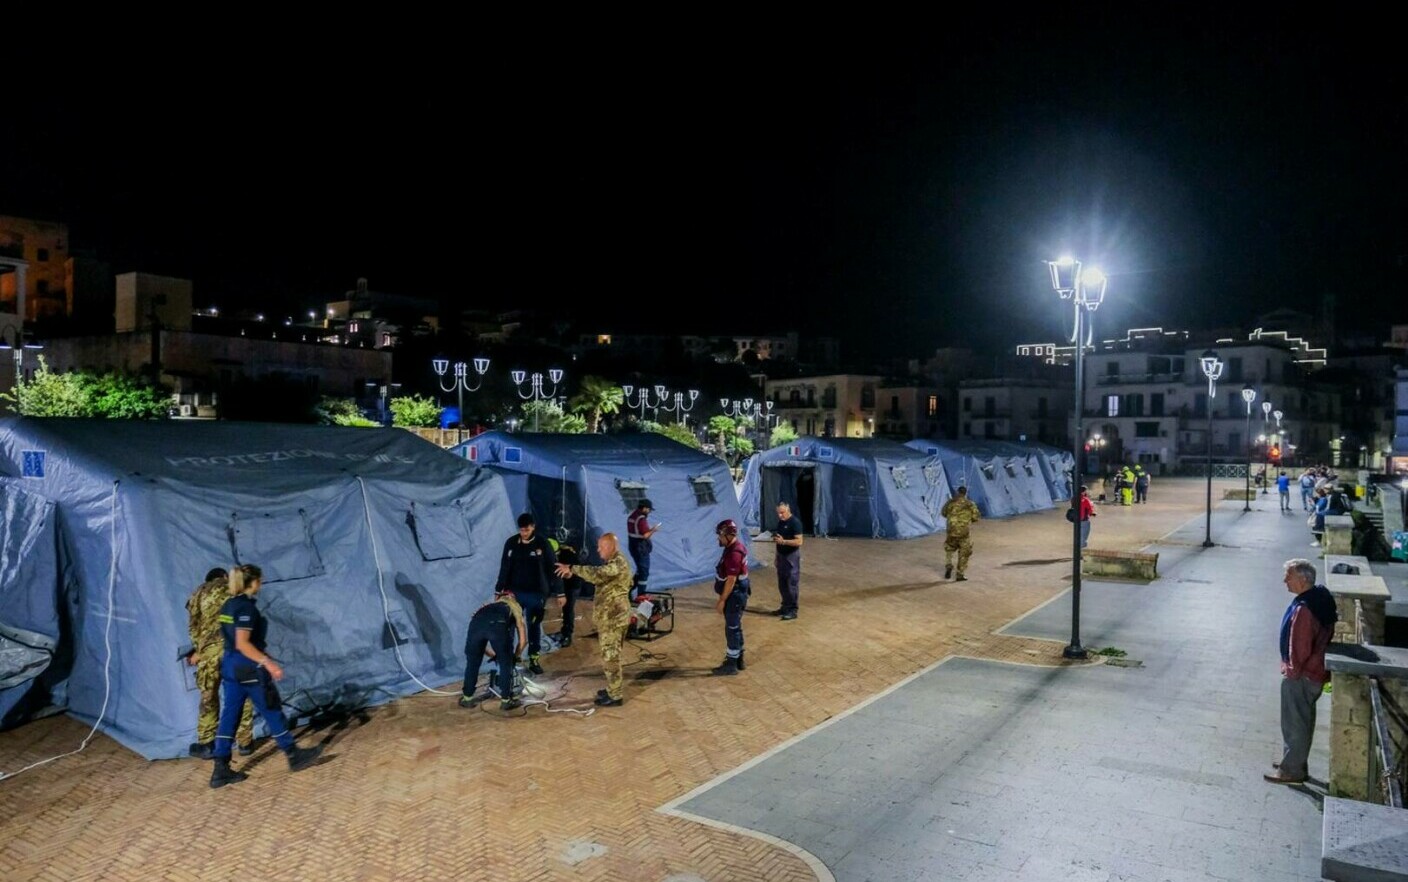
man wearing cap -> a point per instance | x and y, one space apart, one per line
732 586
528 569
492 628
638 533
611 611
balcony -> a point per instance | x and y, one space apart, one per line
1135 379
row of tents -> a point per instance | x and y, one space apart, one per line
376 546
879 488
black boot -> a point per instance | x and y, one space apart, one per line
223 774
533 666
727 669
741 665
300 758
202 750
564 640
948 571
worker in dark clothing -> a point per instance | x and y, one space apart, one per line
573 587
493 627
528 569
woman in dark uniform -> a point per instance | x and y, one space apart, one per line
246 672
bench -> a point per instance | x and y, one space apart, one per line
1120 564
1363 841
1339 535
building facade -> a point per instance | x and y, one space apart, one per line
1015 409
836 405
907 412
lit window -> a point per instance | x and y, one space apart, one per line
1112 405
933 405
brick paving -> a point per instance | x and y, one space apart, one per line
422 790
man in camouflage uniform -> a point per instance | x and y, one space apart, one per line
203 610
960 512
611 610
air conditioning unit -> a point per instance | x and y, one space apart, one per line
188 410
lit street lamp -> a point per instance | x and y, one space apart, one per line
643 399
1248 395
1086 291
1266 452
1212 369
737 407
12 337
460 384
385 389
679 406
535 389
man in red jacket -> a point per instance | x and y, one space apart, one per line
1306 629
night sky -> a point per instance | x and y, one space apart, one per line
901 197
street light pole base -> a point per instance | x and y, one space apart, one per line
1075 651
1208 543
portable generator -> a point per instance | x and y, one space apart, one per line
653 616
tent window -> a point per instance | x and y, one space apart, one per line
988 472
900 475
441 532
282 545
632 492
1010 470
1028 467
932 473
703 490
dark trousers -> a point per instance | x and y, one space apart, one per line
569 608
495 633
534 606
238 685
1141 492
789 576
640 553
733 617
1298 697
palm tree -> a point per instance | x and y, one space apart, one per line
596 396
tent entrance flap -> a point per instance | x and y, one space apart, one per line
794 485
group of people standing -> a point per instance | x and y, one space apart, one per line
1130 484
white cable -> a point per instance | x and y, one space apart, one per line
107 645
385 601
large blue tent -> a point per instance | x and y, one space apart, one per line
847 487
1001 482
580 486
376 548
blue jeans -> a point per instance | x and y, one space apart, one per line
240 680
1305 498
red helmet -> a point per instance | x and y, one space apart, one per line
728 525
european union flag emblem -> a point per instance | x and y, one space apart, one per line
32 463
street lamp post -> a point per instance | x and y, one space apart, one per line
12 337
1266 451
1248 396
460 384
1212 369
1086 291
535 389
643 400
679 406
736 407
383 390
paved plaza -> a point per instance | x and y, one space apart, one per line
902 728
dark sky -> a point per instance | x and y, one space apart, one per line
899 196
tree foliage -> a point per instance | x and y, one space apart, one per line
341 412
80 394
782 433
676 432
550 417
415 411
597 396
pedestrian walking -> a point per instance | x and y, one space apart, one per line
1141 484
788 538
1306 629
1087 511
611 611
638 533
1307 489
207 647
960 512
1283 489
492 630
732 585
528 569
247 673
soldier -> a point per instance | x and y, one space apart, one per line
960 512
611 610
203 612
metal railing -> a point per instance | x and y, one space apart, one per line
1386 770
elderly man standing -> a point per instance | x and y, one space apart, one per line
1306 629
611 611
